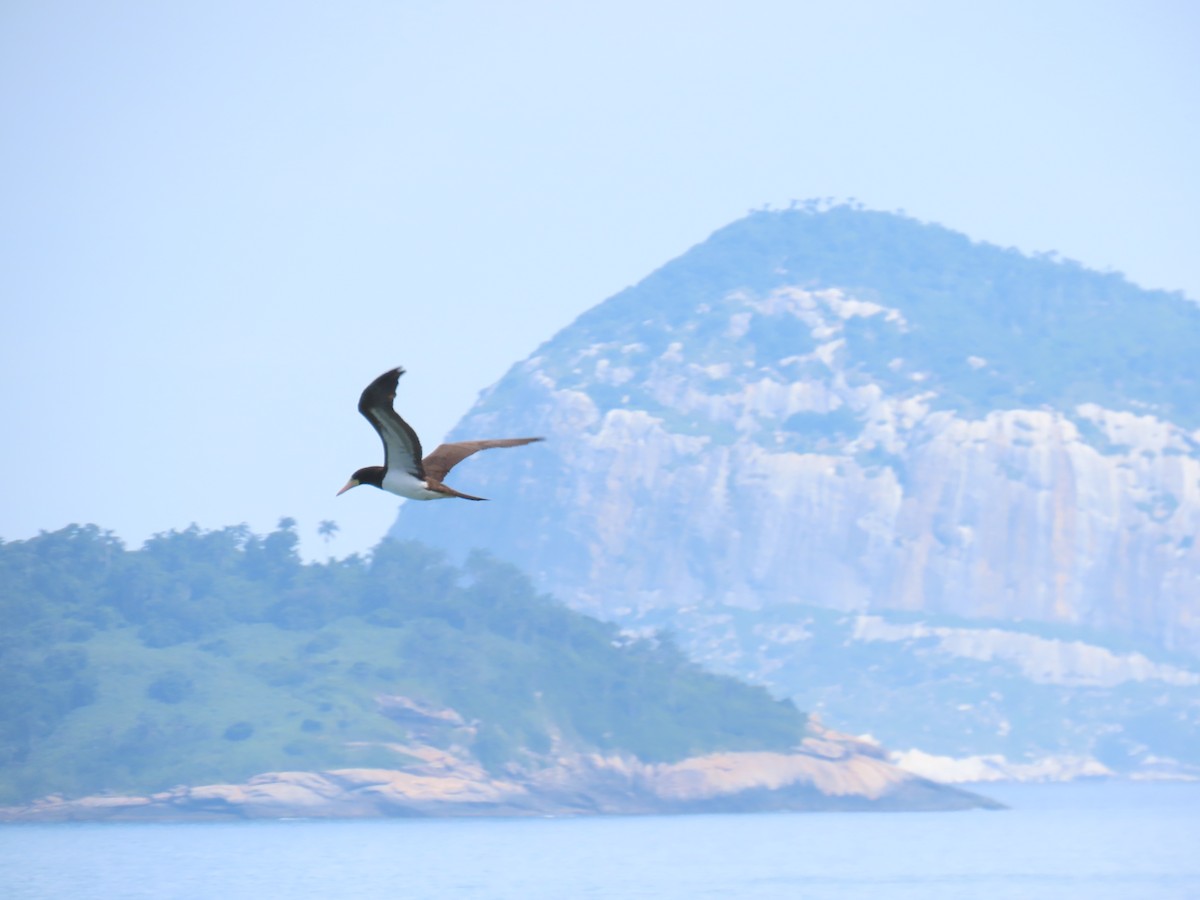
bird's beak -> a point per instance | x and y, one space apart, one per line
349 484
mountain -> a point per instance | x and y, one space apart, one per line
850 417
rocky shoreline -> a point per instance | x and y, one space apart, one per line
827 772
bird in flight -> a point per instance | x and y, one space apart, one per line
404 472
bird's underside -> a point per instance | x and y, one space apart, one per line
437 464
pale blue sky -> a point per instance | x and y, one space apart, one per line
221 219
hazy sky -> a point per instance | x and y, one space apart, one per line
219 220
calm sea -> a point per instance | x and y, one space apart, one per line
1087 841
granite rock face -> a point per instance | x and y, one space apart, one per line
747 428
828 771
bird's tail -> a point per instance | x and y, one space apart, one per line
453 493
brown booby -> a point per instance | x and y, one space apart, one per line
404 472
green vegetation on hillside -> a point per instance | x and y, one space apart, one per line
1047 330
210 656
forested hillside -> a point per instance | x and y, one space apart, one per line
210 656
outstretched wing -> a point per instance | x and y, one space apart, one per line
447 456
401 446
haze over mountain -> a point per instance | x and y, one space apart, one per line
833 422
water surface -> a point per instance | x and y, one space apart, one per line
1092 841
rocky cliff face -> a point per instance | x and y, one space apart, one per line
827 772
727 434
854 412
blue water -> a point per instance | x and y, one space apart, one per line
1089 841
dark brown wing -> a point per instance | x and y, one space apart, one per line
401 446
447 456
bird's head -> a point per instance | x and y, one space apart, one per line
372 475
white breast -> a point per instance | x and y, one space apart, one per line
405 485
